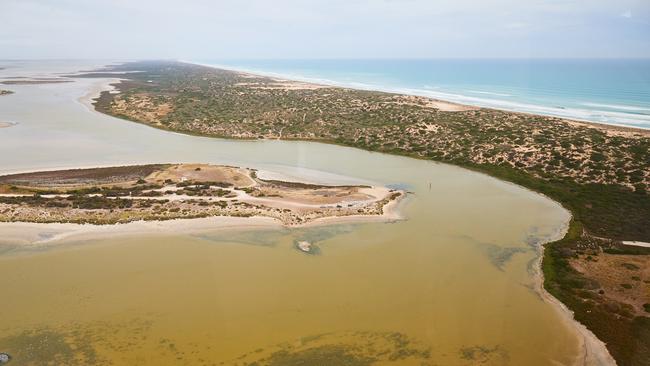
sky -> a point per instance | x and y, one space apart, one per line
238 29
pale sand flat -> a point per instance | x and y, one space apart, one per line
637 243
39 234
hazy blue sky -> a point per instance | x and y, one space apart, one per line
194 29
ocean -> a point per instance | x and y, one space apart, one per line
611 91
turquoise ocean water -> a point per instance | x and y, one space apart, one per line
607 91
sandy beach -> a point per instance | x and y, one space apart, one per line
95 90
289 84
436 103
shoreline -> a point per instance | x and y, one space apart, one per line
33 234
44 234
98 86
594 351
403 91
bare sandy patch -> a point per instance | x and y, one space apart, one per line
424 102
203 172
611 130
142 107
449 107
622 278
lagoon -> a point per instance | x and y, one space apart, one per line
453 283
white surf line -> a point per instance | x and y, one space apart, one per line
616 119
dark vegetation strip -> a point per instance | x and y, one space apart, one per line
82 176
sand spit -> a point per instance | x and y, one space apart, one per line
42 234
169 192
95 90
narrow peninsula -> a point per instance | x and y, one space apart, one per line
178 191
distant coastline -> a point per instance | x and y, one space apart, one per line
473 101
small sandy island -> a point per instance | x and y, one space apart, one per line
5 92
165 192
6 124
